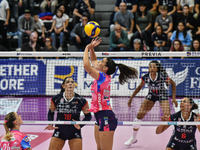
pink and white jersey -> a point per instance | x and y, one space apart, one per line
18 141
101 93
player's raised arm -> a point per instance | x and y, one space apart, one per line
95 42
173 84
86 62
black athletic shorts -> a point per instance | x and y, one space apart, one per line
66 132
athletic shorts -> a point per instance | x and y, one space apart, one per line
181 146
154 98
67 133
106 120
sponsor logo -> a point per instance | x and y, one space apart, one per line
151 54
105 120
73 122
172 123
57 134
178 77
66 53
105 53
24 54
193 53
188 53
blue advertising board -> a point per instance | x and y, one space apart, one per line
44 77
185 73
22 77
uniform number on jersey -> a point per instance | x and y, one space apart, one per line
6 147
183 135
68 116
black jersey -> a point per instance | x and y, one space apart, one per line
182 133
156 87
68 109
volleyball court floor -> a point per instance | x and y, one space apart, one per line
147 139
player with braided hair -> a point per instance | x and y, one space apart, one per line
156 78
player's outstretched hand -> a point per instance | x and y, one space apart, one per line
77 126
129 102
197 118
50 127
95 42
175 102
165 118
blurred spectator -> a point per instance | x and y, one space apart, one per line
119 39
4 19
130 5
188 19
182 35
66 17
160 39
48 48
39 26
28 4
48 3
195 45
165 21
143 24
171 6
196 8
151 6
15 5
125 19
32 44
26 25
197 34
71 3
136 45
58 26
84 7
177 46
78 36
181 3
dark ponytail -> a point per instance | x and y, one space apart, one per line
61 88
126 72
194 105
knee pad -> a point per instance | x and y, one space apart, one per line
136 126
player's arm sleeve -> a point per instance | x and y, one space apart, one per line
102 77
50 112
50 115
25 143
143 78
88 115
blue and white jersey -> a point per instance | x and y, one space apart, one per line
156 87
68 109
182 133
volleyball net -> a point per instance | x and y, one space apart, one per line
27 85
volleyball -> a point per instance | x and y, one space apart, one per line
92 29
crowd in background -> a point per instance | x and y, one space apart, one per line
135 25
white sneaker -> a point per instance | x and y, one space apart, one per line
60 49
18 49
130 141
